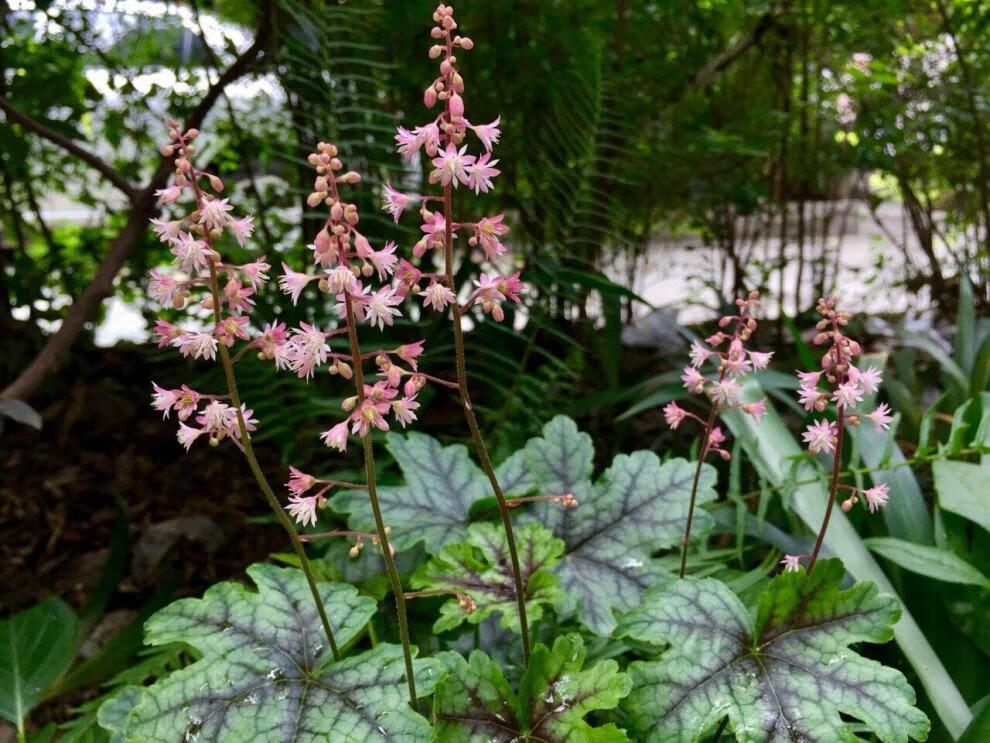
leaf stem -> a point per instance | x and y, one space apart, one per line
369 465
248 449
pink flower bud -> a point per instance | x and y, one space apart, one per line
430 97
456 106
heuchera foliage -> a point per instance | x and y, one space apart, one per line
581 626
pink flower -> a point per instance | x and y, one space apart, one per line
303 509
380 307
306 349
232 327
791 563
756 409
384 260
449 168
162 288
868 380
167 232
881 417
437 296
716 438
809 379
481 172
167 196
811 398
197 345
759 359
256 272
876 497
725 392
213 213
820 436
336 437
166 332
488 133
186 402
299 482
407 273
698 354
674 414
410 352
403 410
511 287
187 435
163 399
238 296
487 231
407 143
848 394
693 380
193 255
293 282
369 414
394 202
272 337
241 229
735 362
341 279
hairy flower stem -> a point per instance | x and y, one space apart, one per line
259 476
472 422
836 464
369 466
248 449
702 453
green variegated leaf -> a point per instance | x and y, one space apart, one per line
474 703
637 506
785 677
266 673
441 483
481 570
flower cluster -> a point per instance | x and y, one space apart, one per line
199 277
443 142
347 267
842 384
728 354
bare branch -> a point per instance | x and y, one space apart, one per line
94 161
144 207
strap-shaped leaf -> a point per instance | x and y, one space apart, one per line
481 569
266 673
474 703
36 646
441 483
637 506
786 677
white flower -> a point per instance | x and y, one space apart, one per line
197 345
303 509
380 307
437 296
213 213
820 436
193 255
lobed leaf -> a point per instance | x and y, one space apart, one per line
441 483
481 569
636 507
785 677
265 672
474 703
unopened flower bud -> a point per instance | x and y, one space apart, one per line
464 42
314 199
349 402
215 183
344 369
167 150
192 134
